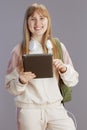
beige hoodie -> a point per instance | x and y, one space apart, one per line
39 91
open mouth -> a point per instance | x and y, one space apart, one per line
38 28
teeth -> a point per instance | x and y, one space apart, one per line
37 28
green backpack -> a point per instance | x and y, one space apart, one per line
66 91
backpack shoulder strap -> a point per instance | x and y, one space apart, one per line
65 90
59 48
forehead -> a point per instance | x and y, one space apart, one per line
37 14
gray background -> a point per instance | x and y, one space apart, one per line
69 23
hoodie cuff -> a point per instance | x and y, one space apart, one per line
67 76
20 86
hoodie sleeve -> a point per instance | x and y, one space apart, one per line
12 76
70 77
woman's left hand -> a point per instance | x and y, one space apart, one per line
59 65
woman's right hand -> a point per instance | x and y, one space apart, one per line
24 77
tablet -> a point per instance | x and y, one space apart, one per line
40 64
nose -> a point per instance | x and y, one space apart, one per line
37 22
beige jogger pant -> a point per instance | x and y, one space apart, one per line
44 117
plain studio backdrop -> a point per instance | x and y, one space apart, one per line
69 23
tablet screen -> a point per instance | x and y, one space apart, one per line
40 64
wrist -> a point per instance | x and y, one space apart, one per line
22 82
63 70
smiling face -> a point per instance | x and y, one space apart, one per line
37 24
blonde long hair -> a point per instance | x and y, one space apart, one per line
47 35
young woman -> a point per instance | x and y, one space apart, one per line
38 100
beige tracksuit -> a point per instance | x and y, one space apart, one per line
39 101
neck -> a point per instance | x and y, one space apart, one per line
39 39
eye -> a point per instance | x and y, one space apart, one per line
32 18
42 18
